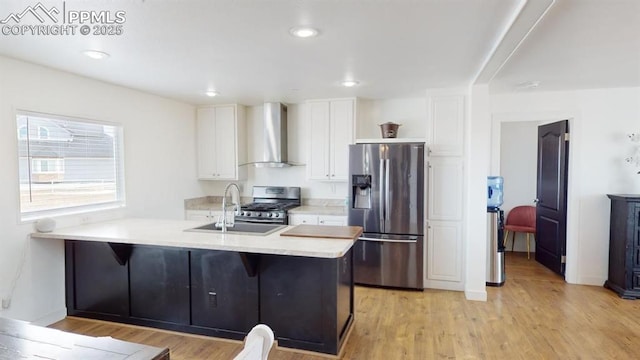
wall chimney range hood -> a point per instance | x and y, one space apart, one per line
275 136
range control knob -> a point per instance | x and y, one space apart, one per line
275 215
259 214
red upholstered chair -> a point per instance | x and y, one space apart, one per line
520 219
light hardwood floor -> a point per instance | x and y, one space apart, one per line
535 315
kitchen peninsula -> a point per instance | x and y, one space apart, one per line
153 273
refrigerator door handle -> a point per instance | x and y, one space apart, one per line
409 241
387 206
383 210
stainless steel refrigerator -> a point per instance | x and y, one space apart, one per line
386 185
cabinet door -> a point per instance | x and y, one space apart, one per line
341 128
319 123
444 250
225 143
332 220
446 118
445 189
223 296
292 299
159 282
299 219
206 134
101 283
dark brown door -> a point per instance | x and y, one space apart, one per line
551 217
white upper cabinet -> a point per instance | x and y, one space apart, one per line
446 113
331 124
221 143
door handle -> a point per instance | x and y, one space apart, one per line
388 240
536 201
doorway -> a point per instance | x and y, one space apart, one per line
509 123
518 156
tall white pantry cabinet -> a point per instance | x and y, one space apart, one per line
221 140
444 254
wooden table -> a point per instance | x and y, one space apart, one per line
20 340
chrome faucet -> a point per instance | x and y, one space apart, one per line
236 208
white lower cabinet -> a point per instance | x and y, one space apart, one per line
203 215
332 220
310 219
299 219
444 255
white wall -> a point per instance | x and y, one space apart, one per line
410 112
599 120
159 144
518 158
478 143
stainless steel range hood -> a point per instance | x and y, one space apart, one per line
275 136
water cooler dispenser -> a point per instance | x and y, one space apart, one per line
495 232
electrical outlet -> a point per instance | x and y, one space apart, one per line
6 303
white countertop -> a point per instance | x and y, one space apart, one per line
171 233
319 210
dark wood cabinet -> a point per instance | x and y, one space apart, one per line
624 246
223 297
159 284
101 282
308 302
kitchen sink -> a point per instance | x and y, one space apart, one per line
241 228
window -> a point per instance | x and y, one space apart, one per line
47 166
72 165
43 132
22 132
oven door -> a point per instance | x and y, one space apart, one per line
245 219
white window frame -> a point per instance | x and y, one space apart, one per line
120 202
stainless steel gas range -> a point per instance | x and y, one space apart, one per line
270 205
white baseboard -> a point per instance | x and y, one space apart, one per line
51 317
591 280
444 285
475 295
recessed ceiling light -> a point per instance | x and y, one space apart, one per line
212 93
350 83
303 32
95 54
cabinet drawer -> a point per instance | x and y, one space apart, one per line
636 280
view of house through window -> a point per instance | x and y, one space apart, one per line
67 164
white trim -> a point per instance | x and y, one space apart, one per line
475 295
522 22
51 318
591 280
26 218
444 285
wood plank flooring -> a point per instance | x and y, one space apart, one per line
535 315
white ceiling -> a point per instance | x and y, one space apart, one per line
579 44
395 48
